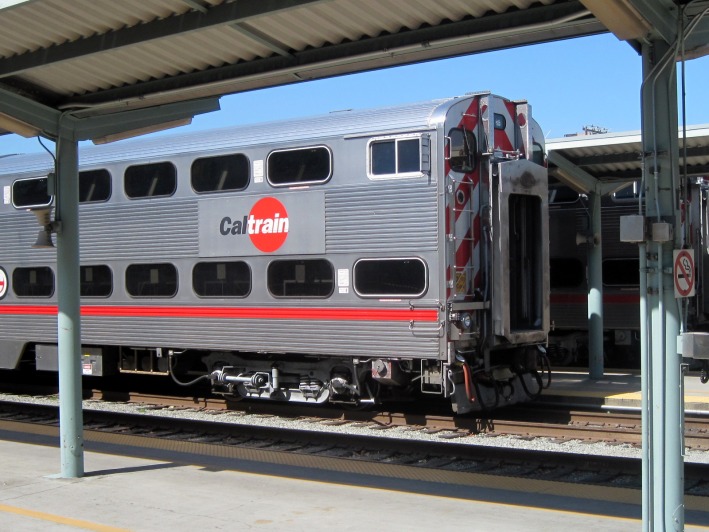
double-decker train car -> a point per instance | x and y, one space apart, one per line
569 223
356 257
568 226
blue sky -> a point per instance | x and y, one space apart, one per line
591 80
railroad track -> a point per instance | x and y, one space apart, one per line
528 421
436 461
535 420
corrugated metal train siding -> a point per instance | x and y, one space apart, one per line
399 218
363 338
158 230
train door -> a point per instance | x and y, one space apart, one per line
519 199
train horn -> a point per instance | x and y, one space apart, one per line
44 238
582 239
591 240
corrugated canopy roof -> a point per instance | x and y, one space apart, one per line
617 157
103 56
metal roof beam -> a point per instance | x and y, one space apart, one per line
222 14
636 19
661 15
136 122
261 38
577 178
30 113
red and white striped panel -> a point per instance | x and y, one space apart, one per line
465 270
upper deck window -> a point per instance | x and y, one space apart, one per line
94 186
299 166
392 157
30 193
150 180
628 194
221 173
562 194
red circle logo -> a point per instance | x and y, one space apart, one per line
268 224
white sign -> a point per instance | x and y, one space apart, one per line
684 274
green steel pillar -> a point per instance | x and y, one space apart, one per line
663 464
595 291
69 325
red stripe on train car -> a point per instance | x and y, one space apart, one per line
326 314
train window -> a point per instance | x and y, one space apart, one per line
301 278
219 174
395 157
500 121
96 281
628 194
390 277
94 186
29 193
151 280
150 180
299 166
621 272
566 273
462 150
221 279
35 281
562 194
538 153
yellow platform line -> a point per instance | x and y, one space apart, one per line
61 520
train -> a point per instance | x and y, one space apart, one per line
354 258
569 226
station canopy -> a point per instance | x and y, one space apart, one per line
612 160
91 58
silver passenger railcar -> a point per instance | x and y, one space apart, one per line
354 257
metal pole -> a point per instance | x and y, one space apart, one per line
663 507
69 325
595 291
645 394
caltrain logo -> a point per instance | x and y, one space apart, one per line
266 225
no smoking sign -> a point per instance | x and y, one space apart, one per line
684 274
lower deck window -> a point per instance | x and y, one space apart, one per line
221 279
301 278
390 277
566 273
37 281
621 272
151 280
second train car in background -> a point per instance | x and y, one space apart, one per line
356 257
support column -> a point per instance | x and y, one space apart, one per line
595 291
663 463
69 324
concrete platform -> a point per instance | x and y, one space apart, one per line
617 390
127 488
